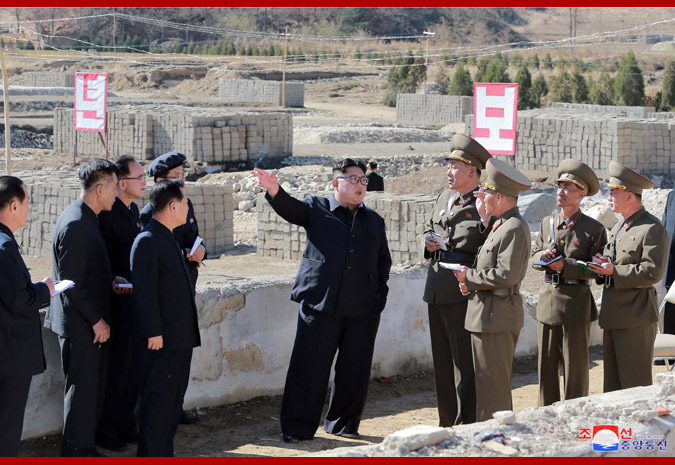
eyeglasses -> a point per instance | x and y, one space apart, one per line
355 179
178 175
137 178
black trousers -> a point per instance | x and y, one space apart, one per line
669 318
118 421
453 364
85 365
164 378
318 337
13 397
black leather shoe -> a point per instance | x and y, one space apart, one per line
115 445
187 419
290 439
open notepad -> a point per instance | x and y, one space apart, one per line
198 241
451 266
60 286
543 263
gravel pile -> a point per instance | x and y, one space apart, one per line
27 139
356 133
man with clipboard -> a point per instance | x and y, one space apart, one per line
566 307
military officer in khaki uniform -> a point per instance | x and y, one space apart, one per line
457 222
566 306
633 261
495 312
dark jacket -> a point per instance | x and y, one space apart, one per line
345 266
119 227
668 221
164 297
79 254
21 352
375 182
185 235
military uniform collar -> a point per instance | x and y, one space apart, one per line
630 221
570 222
467 198
334 204
504 216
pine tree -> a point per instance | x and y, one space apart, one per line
461 82
548 62
629 85
602 91
579 87
535 61
442 79
524 80
561 89
539 89
667 101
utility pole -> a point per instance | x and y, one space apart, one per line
114 29
426 57
8 166
283 73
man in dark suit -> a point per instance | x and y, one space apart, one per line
21 353
119 228
342 289
375 181
165 319
80 315
668 221
172 166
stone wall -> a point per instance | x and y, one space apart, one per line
248 90
50 195
404 216
548 135
47 79
207 135
432 108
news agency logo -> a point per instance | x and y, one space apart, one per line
611 438
605 438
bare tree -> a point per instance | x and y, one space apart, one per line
17 13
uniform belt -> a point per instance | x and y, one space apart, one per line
454 257
506 291
555 279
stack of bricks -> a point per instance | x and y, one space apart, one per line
248 90
47 79
208 135
405 219
546 136
433 108
50 195
618 110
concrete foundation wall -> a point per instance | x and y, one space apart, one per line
405 219
248 90
208 135
247 332
50 195
546 136
47 79
432 108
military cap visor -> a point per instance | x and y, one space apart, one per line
624 178
505 179
467 150
580 174
166 162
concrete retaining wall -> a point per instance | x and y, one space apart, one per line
50 195
404 216
546 136
432 108
208 135
247 332
47 79
248 90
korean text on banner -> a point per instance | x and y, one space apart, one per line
91 100
494 117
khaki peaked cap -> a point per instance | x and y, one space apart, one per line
622 177
505 179
579 173
464 148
